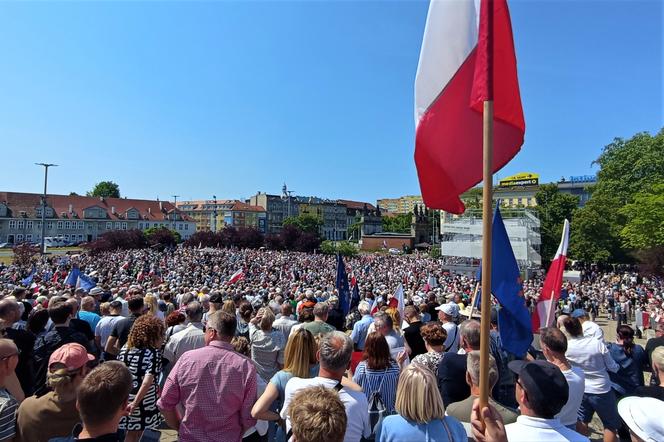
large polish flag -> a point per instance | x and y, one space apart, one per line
543 316
451 85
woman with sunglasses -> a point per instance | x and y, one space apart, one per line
55 414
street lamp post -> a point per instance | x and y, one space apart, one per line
214 214
43 203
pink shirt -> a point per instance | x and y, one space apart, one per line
217 388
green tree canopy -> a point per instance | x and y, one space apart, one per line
306 223
399 223
553 207
106 189
644 228
607 228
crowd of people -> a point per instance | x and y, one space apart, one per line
251 345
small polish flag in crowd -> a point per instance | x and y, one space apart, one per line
543 316
236 277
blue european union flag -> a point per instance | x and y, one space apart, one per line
28 279
342 286
514 324
85 282
72 277
355 298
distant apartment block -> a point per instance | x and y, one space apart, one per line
216 215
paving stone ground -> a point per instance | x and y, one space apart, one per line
609 328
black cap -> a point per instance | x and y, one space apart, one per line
545 385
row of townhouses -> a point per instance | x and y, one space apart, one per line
267 212
76 218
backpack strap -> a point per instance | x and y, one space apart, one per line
456 330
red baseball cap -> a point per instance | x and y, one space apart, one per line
73 356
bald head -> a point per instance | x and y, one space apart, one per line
88 304
7 360
9 310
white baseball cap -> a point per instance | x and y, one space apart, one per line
643 415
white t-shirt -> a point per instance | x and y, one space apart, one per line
590 329
576 381
529 429
355 402
592 356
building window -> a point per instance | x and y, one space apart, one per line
109 225
28 237
19 238
117 226
67 237
80 237
20 224
80 225
12 224
28 224
49 225
67 225
186 227
39 224
124 226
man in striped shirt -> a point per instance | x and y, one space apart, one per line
8 405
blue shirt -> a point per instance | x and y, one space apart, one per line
90 317
359 334
630 374
395 428
383 381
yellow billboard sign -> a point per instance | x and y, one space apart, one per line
520 179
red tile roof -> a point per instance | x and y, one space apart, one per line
357 204
244 207
74 205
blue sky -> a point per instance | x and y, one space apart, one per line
229 98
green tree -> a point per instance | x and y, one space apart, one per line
355 230
473 198
553 207
306 223
628 169
644 228
399 223
344 248
106 189
162 236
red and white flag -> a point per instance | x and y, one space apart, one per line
451 85
544 315
235 277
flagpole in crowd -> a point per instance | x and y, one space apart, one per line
487 190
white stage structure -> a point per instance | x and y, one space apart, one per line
461 239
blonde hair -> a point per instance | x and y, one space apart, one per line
657 358
267 319
300 353
418 398
60 379
228 307
396 318
151 302
317 414
105 308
